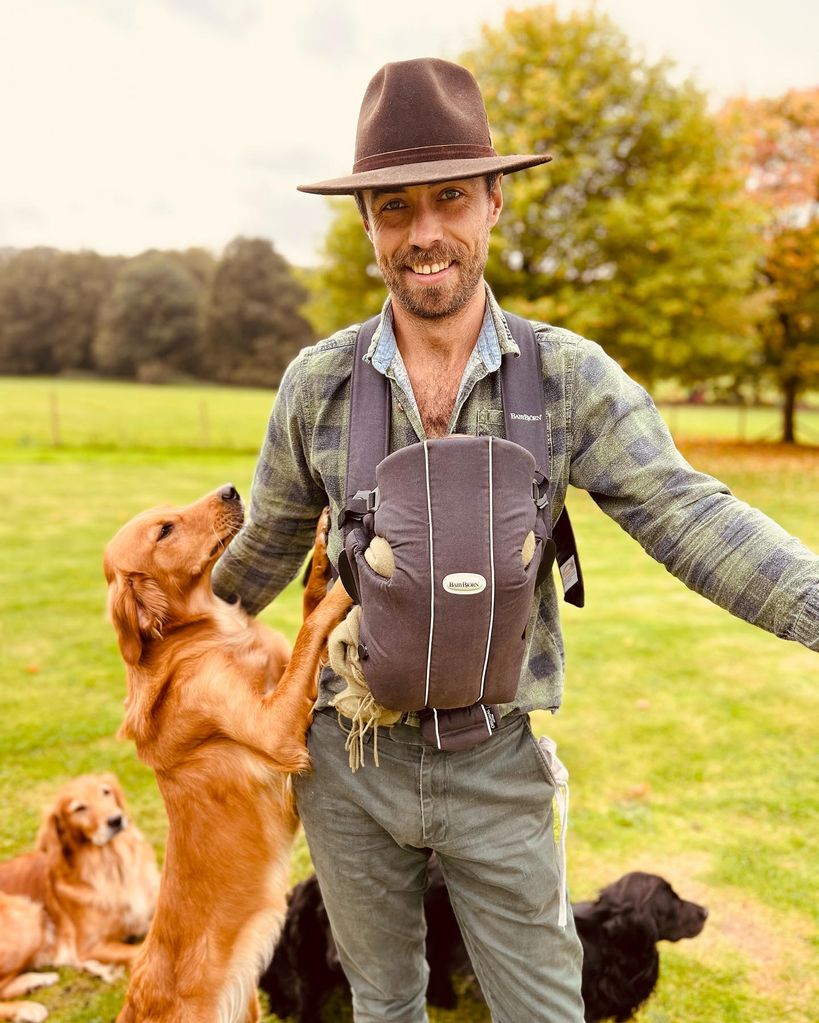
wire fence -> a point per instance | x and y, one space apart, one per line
107 415
118 416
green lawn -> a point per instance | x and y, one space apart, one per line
690 737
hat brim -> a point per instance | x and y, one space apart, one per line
424 173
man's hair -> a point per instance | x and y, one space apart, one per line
490 179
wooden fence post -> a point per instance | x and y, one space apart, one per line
54 415
204 424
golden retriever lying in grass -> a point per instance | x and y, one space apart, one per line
213 710
23 929
94 874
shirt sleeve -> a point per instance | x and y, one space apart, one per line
285 502
719 546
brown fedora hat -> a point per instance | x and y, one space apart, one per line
421 121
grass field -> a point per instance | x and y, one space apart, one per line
84 413
690 737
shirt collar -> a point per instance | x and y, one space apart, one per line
494 339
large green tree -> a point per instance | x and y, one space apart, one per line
638 234
254 324
151 323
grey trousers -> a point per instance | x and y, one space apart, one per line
487 813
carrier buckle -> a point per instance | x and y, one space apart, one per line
371 499
540 488
370 502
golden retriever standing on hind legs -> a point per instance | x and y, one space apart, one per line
221 720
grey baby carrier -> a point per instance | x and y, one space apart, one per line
468 523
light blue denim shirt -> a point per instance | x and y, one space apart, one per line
484 358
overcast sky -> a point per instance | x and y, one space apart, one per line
130 124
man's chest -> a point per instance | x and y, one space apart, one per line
435 396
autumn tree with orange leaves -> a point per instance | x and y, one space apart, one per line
780 140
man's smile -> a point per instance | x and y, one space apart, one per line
431 269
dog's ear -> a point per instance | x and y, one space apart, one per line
53 838
631 930
138 609
124 614
629 964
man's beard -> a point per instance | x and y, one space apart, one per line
437 301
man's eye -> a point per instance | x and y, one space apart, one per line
166 528
393 204
451 193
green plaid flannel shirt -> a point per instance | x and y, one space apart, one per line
605 436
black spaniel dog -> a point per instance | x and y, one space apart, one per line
619 933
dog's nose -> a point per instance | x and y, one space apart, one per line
115 822
229 493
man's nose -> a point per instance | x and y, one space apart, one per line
426 228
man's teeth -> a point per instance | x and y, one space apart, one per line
426 268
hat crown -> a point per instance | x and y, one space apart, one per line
422 121
412 106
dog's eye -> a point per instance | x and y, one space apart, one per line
106 792
79 809
166 528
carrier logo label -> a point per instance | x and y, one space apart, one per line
464 582
525 416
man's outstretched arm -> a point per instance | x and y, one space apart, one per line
719 546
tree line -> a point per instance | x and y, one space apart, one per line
158 316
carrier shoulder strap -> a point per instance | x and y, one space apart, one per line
521 388
368 442
369 432
524 413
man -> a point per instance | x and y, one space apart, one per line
426 179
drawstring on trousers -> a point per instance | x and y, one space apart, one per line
561 778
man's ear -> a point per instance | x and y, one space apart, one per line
495 201
361 203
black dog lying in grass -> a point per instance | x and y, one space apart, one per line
619 933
